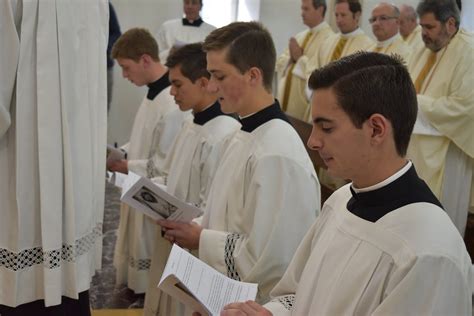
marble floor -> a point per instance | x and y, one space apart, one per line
104 294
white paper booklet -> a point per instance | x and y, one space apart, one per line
201 287
116 178
153 200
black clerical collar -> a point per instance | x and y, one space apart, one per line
208 114
407 189
195 23
269 113
156 87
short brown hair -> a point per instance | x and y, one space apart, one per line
192 60
134 43
354 5
249 45
366 83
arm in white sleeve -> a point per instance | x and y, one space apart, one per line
282 200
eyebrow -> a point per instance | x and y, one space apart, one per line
319 120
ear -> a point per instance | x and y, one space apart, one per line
357 16
451 26
379 128
146 60
255 76
202 82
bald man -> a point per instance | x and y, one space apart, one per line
409 28
385 25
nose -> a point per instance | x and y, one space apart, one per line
314 141
124 74
212 85
173 91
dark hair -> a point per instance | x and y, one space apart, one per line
134 43
320 3
367 83
248 45
441 9
191 59
354 5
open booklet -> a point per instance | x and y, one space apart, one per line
199 286
153 200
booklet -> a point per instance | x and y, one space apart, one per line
116 178
115 153
201 287
153 200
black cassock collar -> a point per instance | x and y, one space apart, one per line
405 190
271 112
208 114
195 23
156 87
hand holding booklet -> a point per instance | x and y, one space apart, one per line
153 200
199 286
115 153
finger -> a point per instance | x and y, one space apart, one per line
255 306
232 306
232 312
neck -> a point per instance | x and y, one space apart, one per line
315 24
257 102
207 100
380 170
156 72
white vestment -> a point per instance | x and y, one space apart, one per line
297 102
356 41
415 40
173 32
393 45
156 125
52 147
264 197
190 169
411 261
442 145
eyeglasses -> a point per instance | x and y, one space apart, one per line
382 18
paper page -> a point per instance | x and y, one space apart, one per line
210 287
127 181
154 201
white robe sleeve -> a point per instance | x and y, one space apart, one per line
9 55
453 114
283 294
280 205
210 157
444 294
163 43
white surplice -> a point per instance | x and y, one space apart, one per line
173 32
393 45
297 101
189 171
263 199
443 150
156 125
412 261
52 155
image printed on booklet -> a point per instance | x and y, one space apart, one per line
199 286
155 203
152 199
